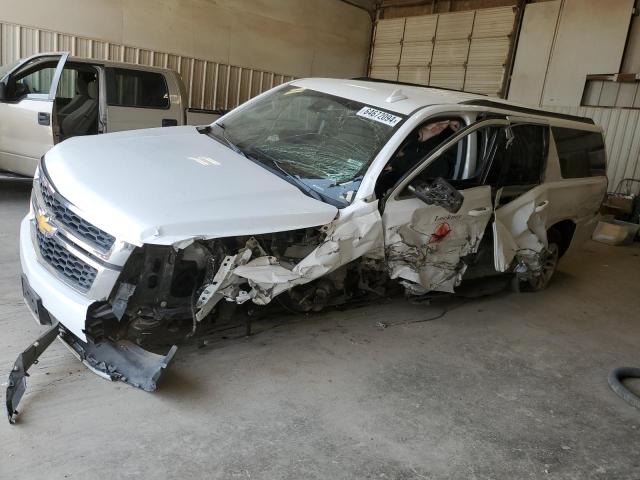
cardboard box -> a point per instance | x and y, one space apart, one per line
615 232
619 203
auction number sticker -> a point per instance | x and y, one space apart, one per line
379 116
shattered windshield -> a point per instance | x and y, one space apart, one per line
320 142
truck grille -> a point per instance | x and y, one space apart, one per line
64 262
85 230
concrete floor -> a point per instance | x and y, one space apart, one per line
509 386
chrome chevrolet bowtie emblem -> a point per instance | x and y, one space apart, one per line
45 226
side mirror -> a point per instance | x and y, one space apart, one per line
440 193
3 91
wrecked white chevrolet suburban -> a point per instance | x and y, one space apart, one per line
312 194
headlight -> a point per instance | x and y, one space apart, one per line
35 185
32 202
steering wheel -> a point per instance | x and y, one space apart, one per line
21 90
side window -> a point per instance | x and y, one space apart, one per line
581 153
74 82
137 88
519 157
32 79
456 166
417 146
450 165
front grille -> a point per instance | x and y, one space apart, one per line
79 273
83 229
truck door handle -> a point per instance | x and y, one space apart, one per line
44 118
169 122
476 212
541 206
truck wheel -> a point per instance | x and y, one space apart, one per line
549 263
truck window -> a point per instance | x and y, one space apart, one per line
137 89
521 160
31 79
581 152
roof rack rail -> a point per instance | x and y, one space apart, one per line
395 82
530 111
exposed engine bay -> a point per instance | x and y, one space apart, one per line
166 295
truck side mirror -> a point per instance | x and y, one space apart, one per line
440 193
3 91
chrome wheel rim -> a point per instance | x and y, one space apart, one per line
549 265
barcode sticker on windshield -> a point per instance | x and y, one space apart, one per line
379 116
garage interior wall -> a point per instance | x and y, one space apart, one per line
226 50
561 43
465 50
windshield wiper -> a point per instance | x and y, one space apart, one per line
297 181
208 131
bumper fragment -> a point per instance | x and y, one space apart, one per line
116 361
121 361
18 377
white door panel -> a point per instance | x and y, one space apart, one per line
26 126
131 118
425 243
22 139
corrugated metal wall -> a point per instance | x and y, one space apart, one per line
210 85
622 137
599 93
462 50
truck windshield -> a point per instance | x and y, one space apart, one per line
320 142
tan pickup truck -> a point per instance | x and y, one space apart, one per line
49 97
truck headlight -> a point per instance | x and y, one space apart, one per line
35 185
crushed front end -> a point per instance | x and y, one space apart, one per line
70 268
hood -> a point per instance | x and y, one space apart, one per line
169 185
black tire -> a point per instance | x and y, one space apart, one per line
615 382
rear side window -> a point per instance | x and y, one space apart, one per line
137 88
521 159
581 152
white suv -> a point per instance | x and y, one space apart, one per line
316 192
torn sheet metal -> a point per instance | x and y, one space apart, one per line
520 232
350 236
425 244
18 377
224 284
421 254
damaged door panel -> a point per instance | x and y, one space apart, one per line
521 202
425 243
520 230
430 224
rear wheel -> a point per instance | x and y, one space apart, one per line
549 263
